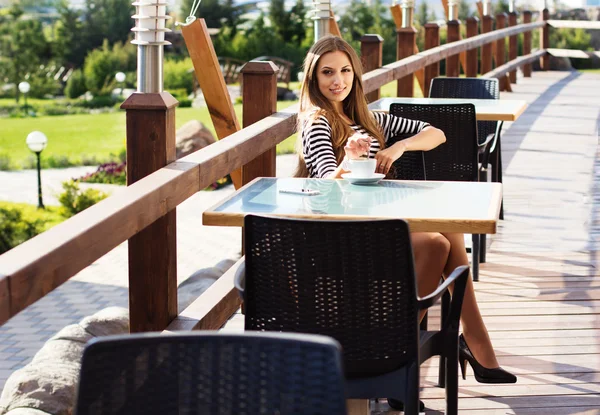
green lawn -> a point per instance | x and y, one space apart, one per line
590 70
93 138
83 136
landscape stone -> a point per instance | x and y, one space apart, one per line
192 136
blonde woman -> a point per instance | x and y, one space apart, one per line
336 125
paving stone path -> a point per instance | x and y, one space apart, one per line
104 283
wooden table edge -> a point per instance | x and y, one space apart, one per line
476 226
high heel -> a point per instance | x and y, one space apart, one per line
482 374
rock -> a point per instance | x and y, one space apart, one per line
27 411
199 281
111 320
48 384
192 136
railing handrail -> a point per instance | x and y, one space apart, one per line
31 270
34 268
377 78
575 24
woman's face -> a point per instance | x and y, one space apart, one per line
335 76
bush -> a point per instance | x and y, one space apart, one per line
75 200
101 65
5 162
58 161
20 222
185 103
177 76
75 85
101 101
110 173
179 93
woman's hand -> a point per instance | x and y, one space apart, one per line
357 145
386 157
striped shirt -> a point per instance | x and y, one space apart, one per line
317 147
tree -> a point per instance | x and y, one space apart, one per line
22 48
298 22
280 19
68 44
501 6
464 10
106 19
422 14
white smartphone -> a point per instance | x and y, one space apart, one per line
303 192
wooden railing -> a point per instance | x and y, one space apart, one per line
36 267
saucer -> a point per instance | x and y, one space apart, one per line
356 179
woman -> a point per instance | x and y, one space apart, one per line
336 125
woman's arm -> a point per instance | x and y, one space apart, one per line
425 138
317 150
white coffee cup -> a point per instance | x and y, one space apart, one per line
362 167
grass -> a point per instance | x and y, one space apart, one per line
100 137
86 135
590 70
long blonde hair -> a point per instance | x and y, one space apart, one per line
313 104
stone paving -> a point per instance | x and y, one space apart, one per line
104 283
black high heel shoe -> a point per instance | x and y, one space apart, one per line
482 374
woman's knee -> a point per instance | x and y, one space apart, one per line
431 244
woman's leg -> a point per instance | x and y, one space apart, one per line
430 251
474 330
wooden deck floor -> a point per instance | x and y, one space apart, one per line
539 290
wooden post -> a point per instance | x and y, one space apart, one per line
397 16
152 251
545 41
527 44
500 47
432 40
333 26
260 100
371 55
512 46
406 38
486 50
209 75
472 30
452 62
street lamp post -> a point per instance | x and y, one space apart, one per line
24 88
36 141
120 78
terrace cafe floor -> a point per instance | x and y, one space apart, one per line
538 290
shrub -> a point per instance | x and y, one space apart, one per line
101 101
5 162
111 173
185 103
20 222
177 76
75 200
58 161
75 85
179 93
101 65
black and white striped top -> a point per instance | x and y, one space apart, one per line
317 147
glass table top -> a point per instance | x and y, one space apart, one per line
338 199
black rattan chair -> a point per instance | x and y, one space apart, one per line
488 131
456 159
211 373
353 281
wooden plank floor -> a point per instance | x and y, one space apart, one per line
539 290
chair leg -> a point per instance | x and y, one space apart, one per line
475 257
482 247
444 316
499 174
423 325
411 403
452 378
